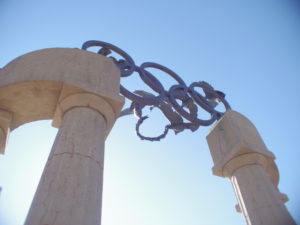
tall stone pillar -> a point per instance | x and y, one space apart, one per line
70 190
5 120
79 91
240 154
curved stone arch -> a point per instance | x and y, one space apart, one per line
33 86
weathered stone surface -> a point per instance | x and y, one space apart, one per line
70 190
5 121
74 97
240 154
87 70
33 85
79 90
232 136
259 199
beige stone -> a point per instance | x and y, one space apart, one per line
235 135
240 154
79 90
32 85
73 97
5 121
87 70
259 199
70 190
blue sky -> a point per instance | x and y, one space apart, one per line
248 49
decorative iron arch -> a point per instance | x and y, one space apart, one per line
182 115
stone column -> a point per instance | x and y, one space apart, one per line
70 190
80 91
5 121
240 154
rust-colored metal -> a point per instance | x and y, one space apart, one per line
181 116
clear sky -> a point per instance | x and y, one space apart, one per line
248 49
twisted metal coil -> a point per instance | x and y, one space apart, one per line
181 116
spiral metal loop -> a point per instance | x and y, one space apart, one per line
166 101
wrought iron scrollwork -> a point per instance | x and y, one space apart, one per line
182 115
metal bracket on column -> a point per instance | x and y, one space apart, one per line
179 104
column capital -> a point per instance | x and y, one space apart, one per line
249 159
72 97
235 142
39 85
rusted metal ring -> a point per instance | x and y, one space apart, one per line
168 71
184 113
127 58
144 100
166 100
202 101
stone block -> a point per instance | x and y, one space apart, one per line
234 141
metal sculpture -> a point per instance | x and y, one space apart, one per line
181 116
